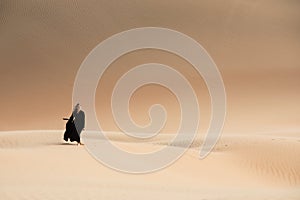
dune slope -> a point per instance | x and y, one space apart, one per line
39 164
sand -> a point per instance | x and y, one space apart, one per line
255 45
39 165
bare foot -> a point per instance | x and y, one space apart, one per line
80 144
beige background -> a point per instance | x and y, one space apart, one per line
255 44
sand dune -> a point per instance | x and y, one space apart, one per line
38 164
255 45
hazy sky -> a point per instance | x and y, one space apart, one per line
255 44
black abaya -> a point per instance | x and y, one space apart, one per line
74 126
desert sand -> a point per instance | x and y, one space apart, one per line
255 45
39 165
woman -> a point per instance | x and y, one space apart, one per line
75 125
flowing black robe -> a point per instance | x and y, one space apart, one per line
74 126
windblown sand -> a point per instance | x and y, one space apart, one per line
39 165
